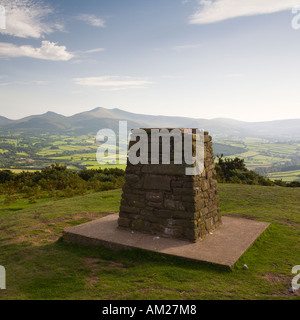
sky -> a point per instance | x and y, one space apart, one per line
207 59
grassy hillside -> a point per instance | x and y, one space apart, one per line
40 266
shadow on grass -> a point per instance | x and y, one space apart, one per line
141 257
64 271
59 271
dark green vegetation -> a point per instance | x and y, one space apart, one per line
235 171
40 266
57 181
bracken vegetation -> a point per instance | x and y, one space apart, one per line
57 181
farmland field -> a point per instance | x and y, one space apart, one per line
263 153
33 152
287 176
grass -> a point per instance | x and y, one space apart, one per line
40 266
287 176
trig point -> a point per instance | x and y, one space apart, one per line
168 205
161 199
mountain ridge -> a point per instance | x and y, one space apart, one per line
98 118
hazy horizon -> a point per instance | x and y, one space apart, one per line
184 58
146 114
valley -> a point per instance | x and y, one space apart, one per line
38 141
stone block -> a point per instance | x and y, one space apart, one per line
155 204
157 182
171 204
154 196
125 223
161 199
131 177
129 209
164 169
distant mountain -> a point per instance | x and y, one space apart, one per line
4 121
92 121
100 118
49 121
285 128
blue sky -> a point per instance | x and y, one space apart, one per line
196 58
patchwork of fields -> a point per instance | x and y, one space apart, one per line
26 152
287 176
263 153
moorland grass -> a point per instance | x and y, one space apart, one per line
39 265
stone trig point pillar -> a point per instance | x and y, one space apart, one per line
161 199
166 207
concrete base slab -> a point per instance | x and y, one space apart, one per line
225 246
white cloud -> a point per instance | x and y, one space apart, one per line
47 51
88 51
187 46
218 10
94 50
28 19
92 20
35 82
113 82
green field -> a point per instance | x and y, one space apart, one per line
36 152
287 176
40 266
266 154
79 152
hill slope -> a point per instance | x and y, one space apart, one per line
4 121
100 118
40 267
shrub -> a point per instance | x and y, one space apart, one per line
235 171
293 184
6 175
57 180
